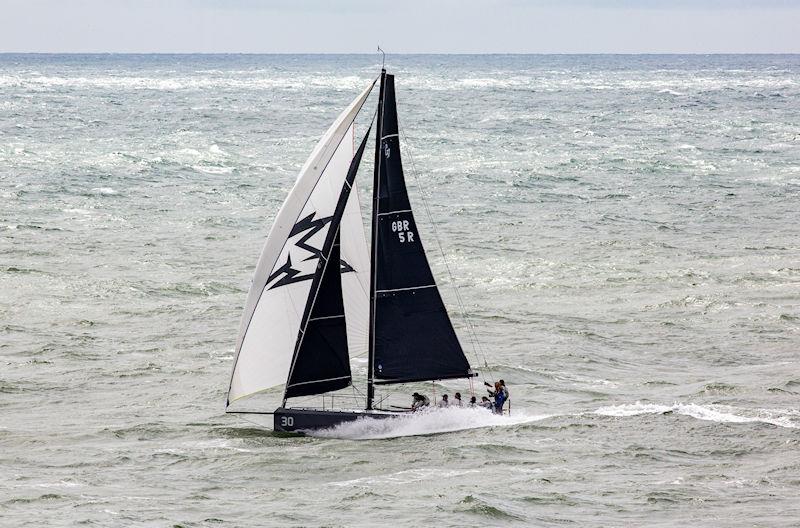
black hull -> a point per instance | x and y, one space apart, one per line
299 420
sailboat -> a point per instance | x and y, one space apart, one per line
320 294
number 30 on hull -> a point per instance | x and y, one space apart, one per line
300 420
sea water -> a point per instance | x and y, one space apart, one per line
622 230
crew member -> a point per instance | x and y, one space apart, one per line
420 401
499 396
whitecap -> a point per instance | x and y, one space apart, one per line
83 212
105 191
214 149
717 414
712 413
210 169
59 484
632 409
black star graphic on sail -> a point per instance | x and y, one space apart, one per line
287 273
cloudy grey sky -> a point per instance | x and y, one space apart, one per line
401 26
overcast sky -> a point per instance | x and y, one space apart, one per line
401 26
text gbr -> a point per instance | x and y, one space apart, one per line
403 232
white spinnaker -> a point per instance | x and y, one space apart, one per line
355 284
272 315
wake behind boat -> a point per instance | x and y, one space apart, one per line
320 294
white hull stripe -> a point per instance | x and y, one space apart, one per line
318 381
395 212
389 136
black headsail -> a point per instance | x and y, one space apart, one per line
412 337
321 361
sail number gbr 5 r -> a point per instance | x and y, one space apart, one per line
404 233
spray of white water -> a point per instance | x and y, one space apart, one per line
432 421
712 413
423 423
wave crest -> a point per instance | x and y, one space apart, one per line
712 413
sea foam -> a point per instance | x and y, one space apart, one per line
712 413
423 423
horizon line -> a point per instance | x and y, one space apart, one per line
323 53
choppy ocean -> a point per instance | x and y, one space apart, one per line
623 230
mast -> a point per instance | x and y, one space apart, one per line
374 246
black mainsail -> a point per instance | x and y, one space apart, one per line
412 337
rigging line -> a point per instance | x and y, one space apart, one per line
476 345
